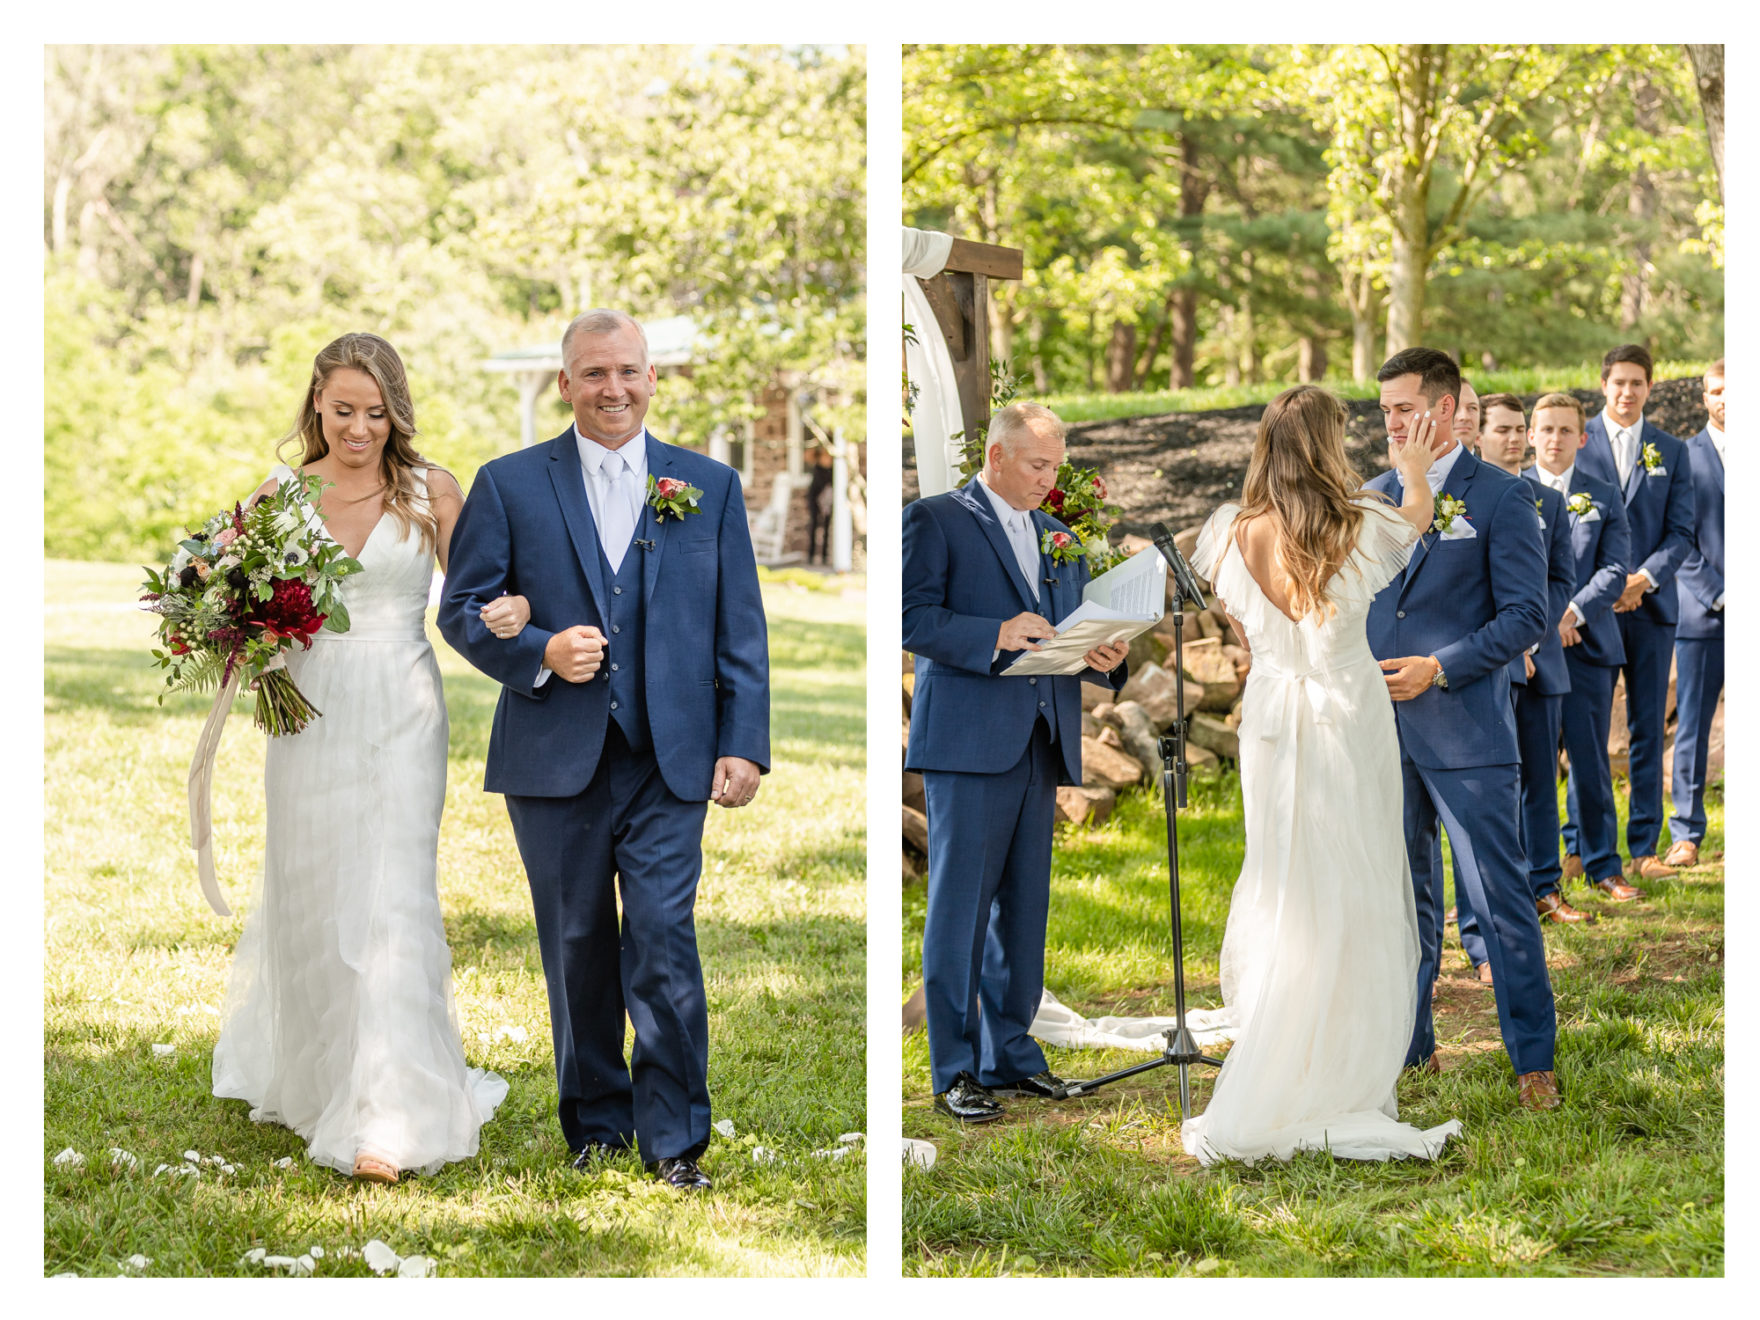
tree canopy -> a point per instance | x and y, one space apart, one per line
1234 214
214 215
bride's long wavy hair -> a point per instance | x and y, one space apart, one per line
1300 473
371 354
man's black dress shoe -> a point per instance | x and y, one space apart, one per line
594 1152
680 1172
1040 1086
967 1101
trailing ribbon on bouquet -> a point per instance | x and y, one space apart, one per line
201 792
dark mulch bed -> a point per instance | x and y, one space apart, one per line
1177 467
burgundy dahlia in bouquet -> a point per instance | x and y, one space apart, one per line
1079 501
241 592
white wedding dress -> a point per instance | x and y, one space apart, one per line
1320 956
339 1021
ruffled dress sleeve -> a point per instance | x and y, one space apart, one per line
1213 538
1384 545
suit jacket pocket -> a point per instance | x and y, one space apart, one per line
699 546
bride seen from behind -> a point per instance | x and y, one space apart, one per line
339 1021
1320 955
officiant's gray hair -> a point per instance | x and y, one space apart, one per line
1018 419
603 321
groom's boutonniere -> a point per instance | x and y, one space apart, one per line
669 495
1448 508
1652 458
1061 546
1580 504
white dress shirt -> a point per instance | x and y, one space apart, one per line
1018 525
1562 484
1624 440
1440 469
632 487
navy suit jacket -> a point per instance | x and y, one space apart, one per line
1700 579
527 529
1601 556
962 582
1659 507
1475 604
1551 677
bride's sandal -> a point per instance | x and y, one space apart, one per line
369 1168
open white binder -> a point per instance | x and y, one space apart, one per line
1116 606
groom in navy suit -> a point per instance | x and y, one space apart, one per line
982 583
1651 470
638 693
1472 600
1698 645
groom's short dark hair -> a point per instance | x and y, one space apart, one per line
1438 375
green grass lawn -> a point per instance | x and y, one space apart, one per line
133 957
1625 1179
1099 407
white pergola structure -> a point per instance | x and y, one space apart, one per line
672 344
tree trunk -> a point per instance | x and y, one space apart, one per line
1641 207
1310 360
1036 337
1405 287
1182 322
1708 70
1121 358
1409 200
1146 362
1359 299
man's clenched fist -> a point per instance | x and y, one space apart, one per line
575 654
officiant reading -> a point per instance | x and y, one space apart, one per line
982 583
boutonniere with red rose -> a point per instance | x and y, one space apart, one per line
670 496
1062 547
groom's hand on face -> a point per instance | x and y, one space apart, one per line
1410 675
575 654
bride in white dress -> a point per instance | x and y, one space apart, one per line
1320 956
340 1021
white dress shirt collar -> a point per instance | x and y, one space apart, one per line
1561 483
1006 513
1440 469
633 451
1636 428
1716 441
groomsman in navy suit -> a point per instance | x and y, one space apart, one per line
1538 681
1698 645
1651 470
638 694
1593 645
981 586
1471 601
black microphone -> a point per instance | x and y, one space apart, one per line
1185 582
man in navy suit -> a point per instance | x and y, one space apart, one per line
1472 599
1698 645
637 694
981 584
1651 470
1593 646
1538 681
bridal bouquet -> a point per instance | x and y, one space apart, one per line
241 592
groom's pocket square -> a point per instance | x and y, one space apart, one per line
1656 472
1459 530
1594 515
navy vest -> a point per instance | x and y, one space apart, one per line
626 629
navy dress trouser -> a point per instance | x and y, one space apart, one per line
1493 875
1591 828
626 836
1649 650
984 933
1698 684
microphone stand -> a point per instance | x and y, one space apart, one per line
1180 1048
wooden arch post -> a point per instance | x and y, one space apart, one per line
960 297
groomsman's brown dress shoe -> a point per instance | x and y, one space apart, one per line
1650 867
1432 1065
1684 853
1573 867
1613 887
1537 1090
1553 908
1484 977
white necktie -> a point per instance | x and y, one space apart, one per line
1020 533
1625 453
618 523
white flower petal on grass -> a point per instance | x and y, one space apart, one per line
380 1258
850 1138
67 1275
920 1153
253 1256
193 1156
161 1169
835 1153
121 1159
725 1128
511 1033
282 1263
305 1264
227 1168
164 1051
415 1267
316 1253
70 1156
139 1262
285 1162
763 1155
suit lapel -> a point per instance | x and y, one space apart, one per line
979 503
1458 479
1713 464
567 476
659 460
1597 454
1635 482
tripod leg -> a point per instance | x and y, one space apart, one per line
1185 1091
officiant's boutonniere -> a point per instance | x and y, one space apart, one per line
1652 458
1448 508
669 495
1580 504
1062 547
